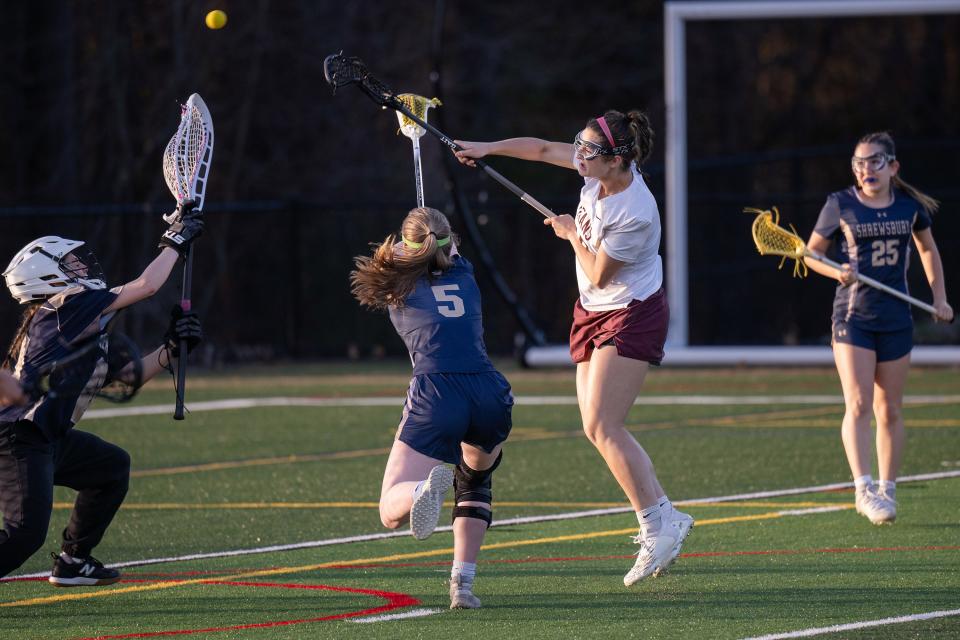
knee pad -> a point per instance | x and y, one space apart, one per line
470 485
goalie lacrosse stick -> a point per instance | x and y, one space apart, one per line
106 366
772 239
186 167
419 106
340 71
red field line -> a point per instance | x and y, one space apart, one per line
394 601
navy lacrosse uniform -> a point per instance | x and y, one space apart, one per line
877 241
39 447
456 395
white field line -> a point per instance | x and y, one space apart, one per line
513 521
414 613
693 400
816 631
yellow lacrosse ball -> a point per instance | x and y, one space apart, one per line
216 19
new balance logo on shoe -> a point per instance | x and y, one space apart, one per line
89 573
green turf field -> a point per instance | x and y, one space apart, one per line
246 479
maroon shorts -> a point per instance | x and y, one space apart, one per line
638 331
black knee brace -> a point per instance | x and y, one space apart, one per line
470 485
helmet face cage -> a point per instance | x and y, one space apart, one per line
81 266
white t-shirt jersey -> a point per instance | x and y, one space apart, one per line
627 226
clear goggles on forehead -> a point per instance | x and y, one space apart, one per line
589 150
876 162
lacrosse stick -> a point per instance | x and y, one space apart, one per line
341 71
186 167
107 366
772 239
419 105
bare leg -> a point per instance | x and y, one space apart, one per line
888 407
405 468
856 367
607 386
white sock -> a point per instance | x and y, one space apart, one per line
463 573
888 488
863 482
666 507
650 520
66 557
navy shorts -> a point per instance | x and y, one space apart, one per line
445 409
888 345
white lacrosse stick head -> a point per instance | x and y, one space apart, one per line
419 106
186 160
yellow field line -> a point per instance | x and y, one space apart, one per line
360 561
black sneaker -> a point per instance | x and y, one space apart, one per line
89 573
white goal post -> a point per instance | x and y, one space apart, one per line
676 15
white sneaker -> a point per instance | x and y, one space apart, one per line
461 596
683 523
428 501
655 553
877 507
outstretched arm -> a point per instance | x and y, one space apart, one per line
174 243
535 149
933 267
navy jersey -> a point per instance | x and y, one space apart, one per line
441 324
59 325
878 242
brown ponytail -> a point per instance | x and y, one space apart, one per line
885 140
13 353
386 278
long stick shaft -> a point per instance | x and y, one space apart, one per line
418 171
445 139
182 358
874 283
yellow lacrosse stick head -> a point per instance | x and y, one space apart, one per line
419 106
772 239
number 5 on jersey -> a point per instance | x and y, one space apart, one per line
441 293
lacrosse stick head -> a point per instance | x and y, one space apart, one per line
772 239
186 160
340 70
418 106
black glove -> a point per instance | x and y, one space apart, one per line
186 227
184 325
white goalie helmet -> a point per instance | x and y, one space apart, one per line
42 269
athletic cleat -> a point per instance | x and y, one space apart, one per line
877 507
462 597
428 501
655 553
682 523
89 573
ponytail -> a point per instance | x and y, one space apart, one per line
387 277
929 204
13 353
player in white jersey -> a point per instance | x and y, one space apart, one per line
620 320
873 223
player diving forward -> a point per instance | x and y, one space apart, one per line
458 407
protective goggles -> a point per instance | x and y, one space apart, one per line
589 150
876 162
